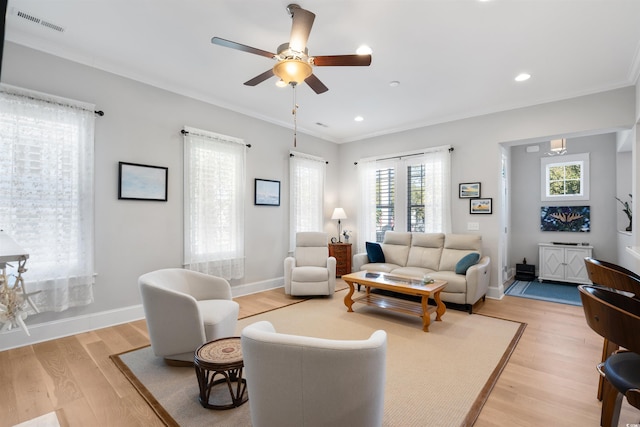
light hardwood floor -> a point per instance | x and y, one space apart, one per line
550 379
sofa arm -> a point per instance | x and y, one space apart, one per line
289 263
358 261
331 266
478 280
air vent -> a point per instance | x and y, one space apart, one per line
36 20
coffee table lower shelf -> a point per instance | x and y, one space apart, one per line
394 304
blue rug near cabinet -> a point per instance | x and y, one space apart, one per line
564 293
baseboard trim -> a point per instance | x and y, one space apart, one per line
496 292
76 325
255 287
70 326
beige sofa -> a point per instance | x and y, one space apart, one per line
435 255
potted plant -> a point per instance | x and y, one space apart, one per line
627 210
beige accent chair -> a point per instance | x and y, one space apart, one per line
304 381
311 271
185 309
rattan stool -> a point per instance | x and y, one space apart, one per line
221 357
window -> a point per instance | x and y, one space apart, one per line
415 198
406 193
567 179
214 189
46 193
306 180
385 201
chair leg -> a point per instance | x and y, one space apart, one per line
611 403
608 349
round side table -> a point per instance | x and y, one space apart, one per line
223 358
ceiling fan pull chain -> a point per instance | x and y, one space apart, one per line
295 115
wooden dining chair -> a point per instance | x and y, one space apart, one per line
615 316
612 276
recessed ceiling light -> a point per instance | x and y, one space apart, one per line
364 50
522 77
394 83
359 118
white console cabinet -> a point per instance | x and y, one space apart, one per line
564 263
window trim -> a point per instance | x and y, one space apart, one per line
547 162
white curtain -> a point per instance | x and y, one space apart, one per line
214 194
306 178
437 192
367 206
46 193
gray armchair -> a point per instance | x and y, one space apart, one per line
311 271
304 381
185 309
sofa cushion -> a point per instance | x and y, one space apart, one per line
425 251
456 283
380 267
396 247
417 272
310 274
456 246
374 252
467 261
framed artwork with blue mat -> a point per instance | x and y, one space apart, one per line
563 293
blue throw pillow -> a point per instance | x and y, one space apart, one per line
467 261
374 252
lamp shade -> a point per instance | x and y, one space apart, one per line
558 145
338 213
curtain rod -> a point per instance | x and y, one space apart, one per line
293 155
450 149
51 99
186 132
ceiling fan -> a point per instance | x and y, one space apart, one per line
294 65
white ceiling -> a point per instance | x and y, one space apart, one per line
453 58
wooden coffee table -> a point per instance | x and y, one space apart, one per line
399 284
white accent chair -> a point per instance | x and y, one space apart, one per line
305 381
185 309
311 271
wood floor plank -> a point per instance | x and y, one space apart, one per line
30 384
8 403
62 387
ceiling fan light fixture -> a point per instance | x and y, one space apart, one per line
292 71
281 83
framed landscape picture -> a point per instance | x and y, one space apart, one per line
480 206
142 182
267 192
469 190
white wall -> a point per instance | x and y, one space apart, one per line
526 200
142 125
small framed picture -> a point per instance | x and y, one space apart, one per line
142 182
469 190
480 206
267 192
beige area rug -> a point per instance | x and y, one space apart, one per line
439 378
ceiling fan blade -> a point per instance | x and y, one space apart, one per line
260 78
315 84
342 60
242 47
300 28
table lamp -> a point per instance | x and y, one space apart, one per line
338 213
